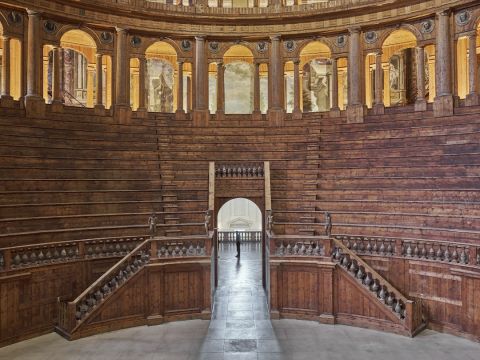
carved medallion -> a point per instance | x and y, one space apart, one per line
213 46
49 26
15 18
262 46
463 17
186 45
341 41
370 37
136 41
427 26
289 45
106 37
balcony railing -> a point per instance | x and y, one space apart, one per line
245 236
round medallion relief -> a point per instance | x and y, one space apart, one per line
49 26
289 45
463 17
214 46
427 26
106 37
262 46
341 41
15 18
370 37
135 41
186 45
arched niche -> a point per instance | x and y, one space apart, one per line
316 77
238 80
161 77
399 64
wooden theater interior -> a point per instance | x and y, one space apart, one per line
337 141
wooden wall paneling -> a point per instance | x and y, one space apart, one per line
155 295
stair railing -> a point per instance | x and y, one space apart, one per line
72 314
409 312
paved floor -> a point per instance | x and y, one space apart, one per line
240 330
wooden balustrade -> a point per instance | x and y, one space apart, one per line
252 170
26 256
181 246
245 236
408 311
299 245
457 253
75 312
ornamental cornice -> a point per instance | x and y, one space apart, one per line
295 24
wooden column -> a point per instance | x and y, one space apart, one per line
180 113
257 113
99 82
472 96
378 107
122 108
335 110
276 113
297 112
189 94
57 103
420 102
443 103
142 86
201 114
34 102
90 85
355 107
5 91
220 90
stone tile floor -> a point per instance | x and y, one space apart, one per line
240 330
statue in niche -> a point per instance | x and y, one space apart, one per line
152 224
328 223
307 90
269 221
163 94
208 216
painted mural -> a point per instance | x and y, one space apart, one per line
160 75
238 88
316 85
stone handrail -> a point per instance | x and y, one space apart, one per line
408 311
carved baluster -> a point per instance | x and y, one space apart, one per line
375 246
439 253
361 245
463 256
355 245
353 268
369 246
382 247
446 254
382 294
423 252
360 273
431 252
368 280
295 249
390 247
416 250
2 261
409 250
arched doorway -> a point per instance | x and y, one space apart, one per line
242 218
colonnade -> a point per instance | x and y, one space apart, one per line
356 108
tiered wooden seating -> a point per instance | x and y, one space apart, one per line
187 151
77 176
403 175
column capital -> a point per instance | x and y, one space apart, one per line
444 12
296 61
200 37
179 62
275 37
219 63
33 12
378 52
354 30
6 37
120 29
